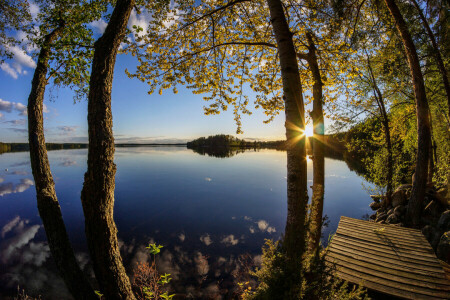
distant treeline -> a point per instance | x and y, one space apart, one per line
16 147
221 143
229 141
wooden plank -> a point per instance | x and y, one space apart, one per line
403 229
366 247
388 249
390 259
404 294
387 262
394 282
421 280
386 239
386 229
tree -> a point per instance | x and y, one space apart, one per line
318 147
436 53
422 111
14 15
97 195
62 28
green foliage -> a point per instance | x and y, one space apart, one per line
147 282
274 280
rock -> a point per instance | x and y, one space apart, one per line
375 205
428 232
398 198
443 248
392 219
403 187
433 209
377 198
373 217
444 221
381 217
441 197
399 210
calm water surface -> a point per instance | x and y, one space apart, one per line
206 211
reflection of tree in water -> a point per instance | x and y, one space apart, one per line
221 152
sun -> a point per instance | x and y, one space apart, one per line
309 131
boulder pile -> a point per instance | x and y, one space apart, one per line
435 221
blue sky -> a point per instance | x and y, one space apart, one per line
137 116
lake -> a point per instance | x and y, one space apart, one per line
205 211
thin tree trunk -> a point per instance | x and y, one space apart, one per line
431 160
47 202
414 210
98 191
436 53
318 150
387 133
294 239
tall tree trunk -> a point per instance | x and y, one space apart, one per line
294 239
318 150
436 53
99 181
387 134
423 123
47 202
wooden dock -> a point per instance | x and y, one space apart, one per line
389 259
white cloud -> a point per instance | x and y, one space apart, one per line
182 237
9 70
20 61
99 25
10 225
8 106
229 240
206 239
264 226
34 9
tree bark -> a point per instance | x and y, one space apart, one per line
98 190
423 123
47 202
294 239
436 53
318 150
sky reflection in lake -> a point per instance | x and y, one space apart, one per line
206 211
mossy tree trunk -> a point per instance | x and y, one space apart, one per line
294 239
414 210
47 202
99 182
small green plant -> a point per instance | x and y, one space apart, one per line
147 282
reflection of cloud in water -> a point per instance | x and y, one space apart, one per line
20 164
182 237
19 172
229 240
206 239
201 263
23 261
336 176
8 188
67 162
